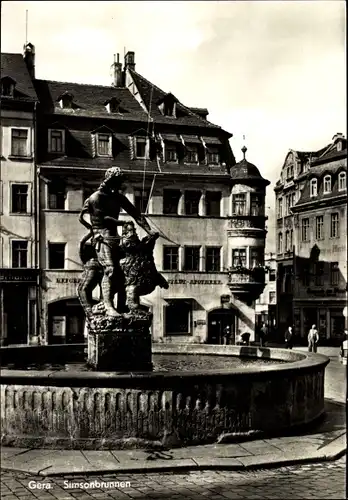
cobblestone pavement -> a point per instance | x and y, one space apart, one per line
322 480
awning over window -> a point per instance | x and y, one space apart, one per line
191 139
212 140
171 138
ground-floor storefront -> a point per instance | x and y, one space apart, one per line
195 308
18 306
327 315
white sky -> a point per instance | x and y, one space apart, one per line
274 71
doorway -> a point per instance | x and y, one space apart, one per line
218 320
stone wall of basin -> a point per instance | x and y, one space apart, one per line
95 410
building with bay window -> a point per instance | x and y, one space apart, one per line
312 243
181 172
18 230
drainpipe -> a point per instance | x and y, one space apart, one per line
37 226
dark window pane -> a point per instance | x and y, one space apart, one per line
192 202
56 255
56 196
19 254
170 258
212 262
19 142
141 199
171 199
178 315
19 198
213 203
192 258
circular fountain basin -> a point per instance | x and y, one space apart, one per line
220 393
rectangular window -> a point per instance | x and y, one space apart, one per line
56 141
170 258
191 258
272 297
239 204
305 230
19 143
178 317
256 257
19 202
272 275
319 273
104 145
141 199
140 147
171 199
171 154
335 225
280 208
19 253
213 158
213 203
239 257
56 255
212 259
256 204
191 156
288 204
334 273
280 243
192 199
56 196
319 227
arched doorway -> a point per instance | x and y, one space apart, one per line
218 320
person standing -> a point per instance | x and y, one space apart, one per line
227 335
289 338
263 334
313 339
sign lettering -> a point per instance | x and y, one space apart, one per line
195 282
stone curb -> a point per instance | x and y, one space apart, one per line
332 451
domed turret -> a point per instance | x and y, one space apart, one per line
246 171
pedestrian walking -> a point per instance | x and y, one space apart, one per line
263 334
226 335
289 338
313 339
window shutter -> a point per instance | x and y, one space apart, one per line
132 147
94 145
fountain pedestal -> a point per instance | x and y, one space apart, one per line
126 348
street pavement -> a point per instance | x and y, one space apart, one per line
251 461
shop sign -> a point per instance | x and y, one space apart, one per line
225 299
194 282
74 281
18 275
201 322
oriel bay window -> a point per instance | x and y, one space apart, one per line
19 142
192 199
171 199
191 262
19 198
213 203
256 204
239 204
19 253
213 259
170 258
256 257
178 317
239 258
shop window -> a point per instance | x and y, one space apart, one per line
191 258
256 205
334 273
104 145
337 323
280 208
272 297
239 204
213 203
342 181
327 184
141 199
170 258
19 198
212 259
171 199
141 148
56 196
19 142
313 187
56 255
171 154
192 199
280 243
178 317
239 257
56 141
19 253
319 227
335 225
305 229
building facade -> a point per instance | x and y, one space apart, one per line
266 304
311 249
18 229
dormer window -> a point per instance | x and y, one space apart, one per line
103 144
66 100
327 184
141 147
113 105
313 187
56 141
213 157
342 181
7 86
167 105
339 146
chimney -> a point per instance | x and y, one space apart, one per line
337 136
129 61
117 72
29 58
